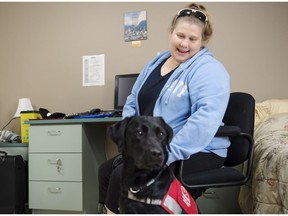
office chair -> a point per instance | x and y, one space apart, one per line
239 127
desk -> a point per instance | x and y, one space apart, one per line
64 156
15 149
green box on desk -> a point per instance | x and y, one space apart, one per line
24 116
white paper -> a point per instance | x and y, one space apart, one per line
93 70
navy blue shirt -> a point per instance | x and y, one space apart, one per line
151 89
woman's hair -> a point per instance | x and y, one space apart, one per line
207 27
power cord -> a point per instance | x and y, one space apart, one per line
8 123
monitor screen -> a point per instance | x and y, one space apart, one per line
123 87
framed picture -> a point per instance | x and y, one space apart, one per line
135 26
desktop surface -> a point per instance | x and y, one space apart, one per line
72 121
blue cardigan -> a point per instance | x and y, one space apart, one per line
193 102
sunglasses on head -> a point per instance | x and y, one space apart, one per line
197 13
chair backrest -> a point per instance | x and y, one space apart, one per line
240 112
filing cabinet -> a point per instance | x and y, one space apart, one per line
220 201
63 166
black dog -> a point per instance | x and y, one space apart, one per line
146 179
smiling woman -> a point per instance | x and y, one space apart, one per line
190 90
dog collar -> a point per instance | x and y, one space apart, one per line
135 189
175 201
144 200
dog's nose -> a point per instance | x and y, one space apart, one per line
156 153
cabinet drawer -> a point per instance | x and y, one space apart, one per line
55 138
56 195
55 167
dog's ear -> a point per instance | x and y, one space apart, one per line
169 132
117 132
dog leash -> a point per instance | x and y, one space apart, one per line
135 190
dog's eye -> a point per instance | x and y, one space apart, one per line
160 132
140 132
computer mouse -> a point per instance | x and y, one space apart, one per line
57 115
94 111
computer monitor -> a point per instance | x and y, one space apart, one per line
123 87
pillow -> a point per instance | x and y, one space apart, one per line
268 108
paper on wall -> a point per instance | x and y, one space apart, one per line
93 70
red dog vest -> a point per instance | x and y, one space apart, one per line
178 198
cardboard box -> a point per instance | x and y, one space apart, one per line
24 116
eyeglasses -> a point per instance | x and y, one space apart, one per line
188 12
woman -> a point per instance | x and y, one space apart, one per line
190 89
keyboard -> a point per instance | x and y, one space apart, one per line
101 115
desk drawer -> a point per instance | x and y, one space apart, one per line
55 138
56 195
55 167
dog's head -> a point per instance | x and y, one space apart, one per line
145 139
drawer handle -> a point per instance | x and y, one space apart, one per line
58 163
54 162
54 133
54 190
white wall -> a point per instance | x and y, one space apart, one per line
42 44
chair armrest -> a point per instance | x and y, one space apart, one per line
228 131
